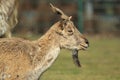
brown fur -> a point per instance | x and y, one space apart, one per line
26 60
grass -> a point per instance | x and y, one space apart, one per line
100 62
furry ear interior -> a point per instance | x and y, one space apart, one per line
60 28
55 10
58 11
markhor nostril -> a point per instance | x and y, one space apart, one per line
86 41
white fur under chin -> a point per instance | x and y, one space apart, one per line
51 57
53 53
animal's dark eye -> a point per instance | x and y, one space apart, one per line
70 31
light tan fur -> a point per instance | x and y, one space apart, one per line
26 60
8 16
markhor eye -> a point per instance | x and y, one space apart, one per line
69 30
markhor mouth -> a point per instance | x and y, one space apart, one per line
84 47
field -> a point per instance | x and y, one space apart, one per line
101 61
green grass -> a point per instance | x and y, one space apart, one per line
100 62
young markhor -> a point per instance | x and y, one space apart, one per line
26 60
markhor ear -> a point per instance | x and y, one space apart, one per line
60 29
58 11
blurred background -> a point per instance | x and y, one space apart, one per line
90 16
99 20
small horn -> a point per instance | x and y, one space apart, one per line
58 11
70 18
